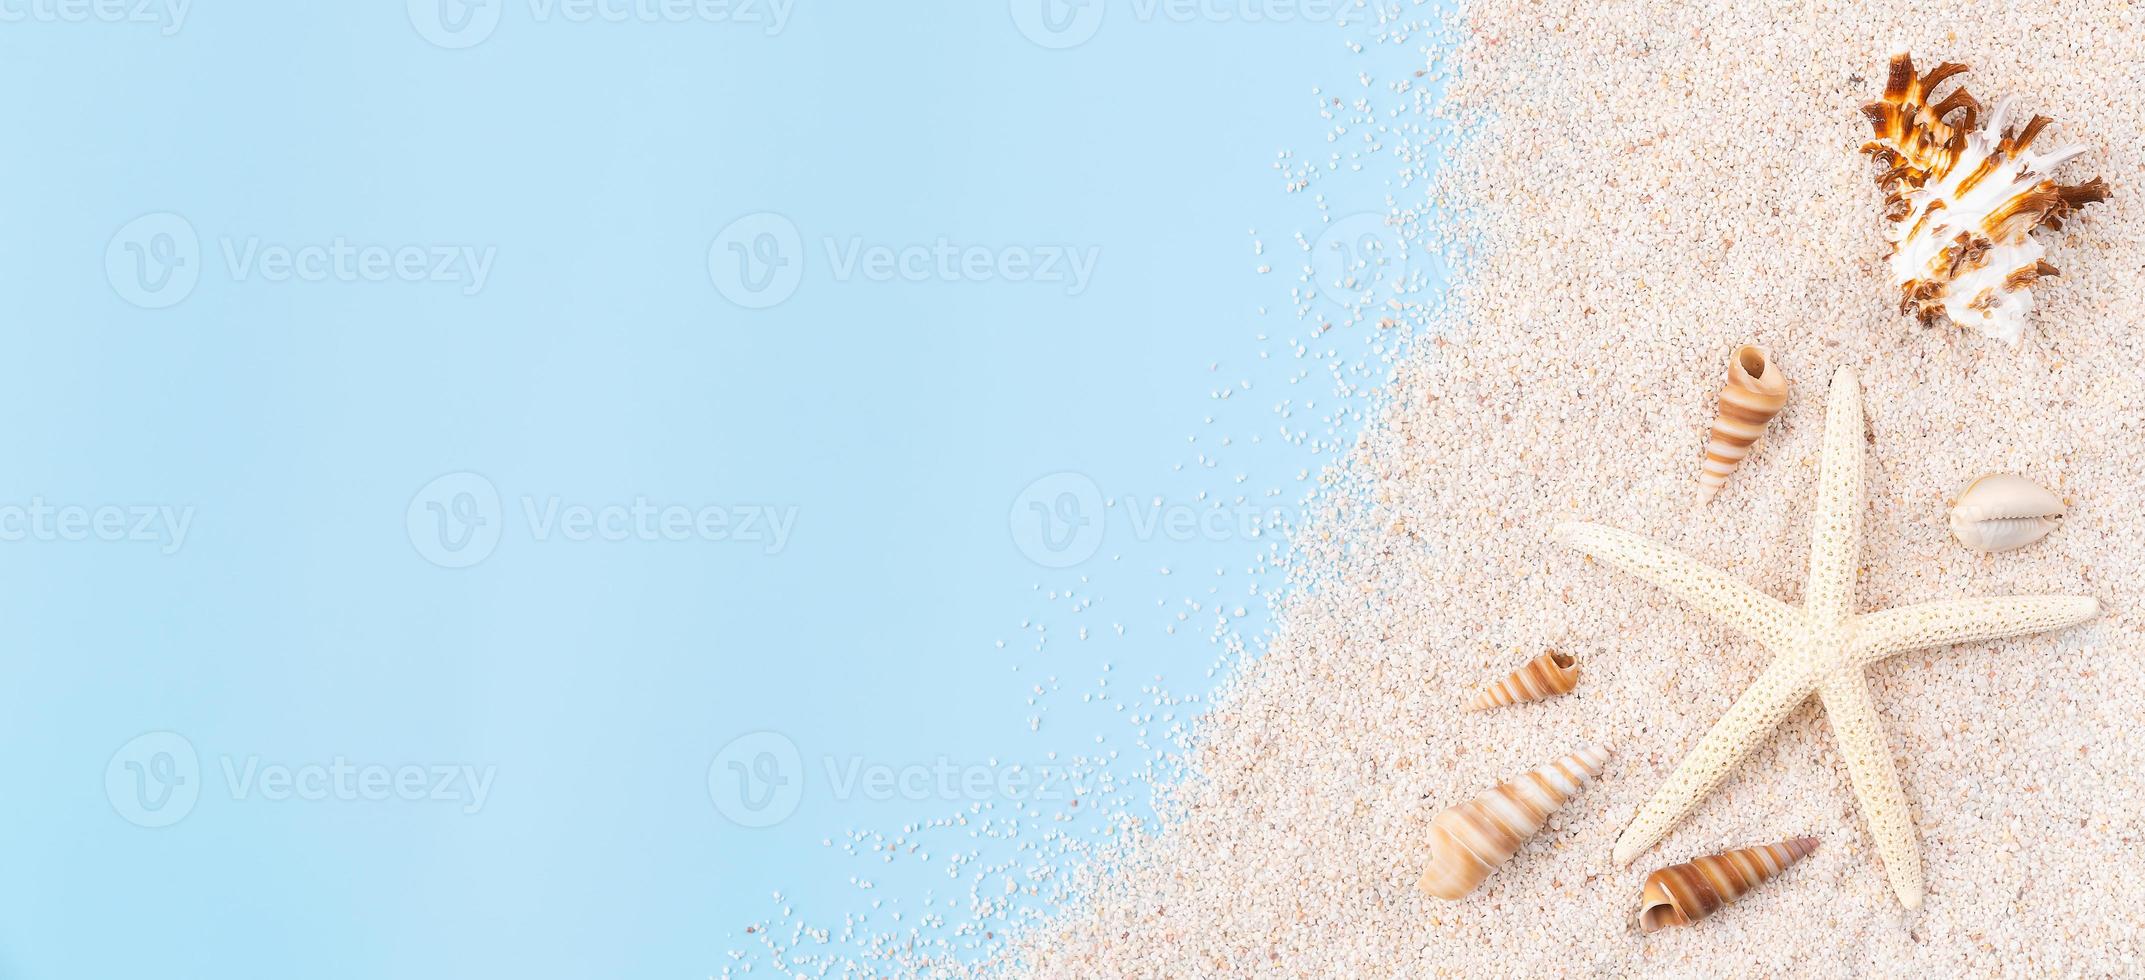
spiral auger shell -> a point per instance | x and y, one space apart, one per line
1472 839
1685 893
1543 677
1755 392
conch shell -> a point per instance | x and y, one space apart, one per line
1756 391
1470 840
1685 893
1962 199
1545 676
2003 511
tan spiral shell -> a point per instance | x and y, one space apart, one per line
1685 893
1470 840
2004 511
1545 676
1756 391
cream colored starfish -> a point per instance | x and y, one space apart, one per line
1820 648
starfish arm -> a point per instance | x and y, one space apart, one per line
1836 524
1769 699
1933 624
1768 620
1855 726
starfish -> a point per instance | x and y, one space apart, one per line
1820 648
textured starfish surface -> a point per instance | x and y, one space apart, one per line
1821 648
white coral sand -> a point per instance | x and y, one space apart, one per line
1652 186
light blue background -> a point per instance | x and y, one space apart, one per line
299 622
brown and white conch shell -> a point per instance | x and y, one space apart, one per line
1545 676
1685 893
1756 391
2003 511
1470 840
1961 197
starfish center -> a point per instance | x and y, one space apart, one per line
1828 641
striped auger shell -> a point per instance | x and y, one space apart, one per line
1470 840
1756 391
1545 676
1686 893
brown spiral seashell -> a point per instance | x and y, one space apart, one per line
1545 676
1756 391
1470 840
1685 893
